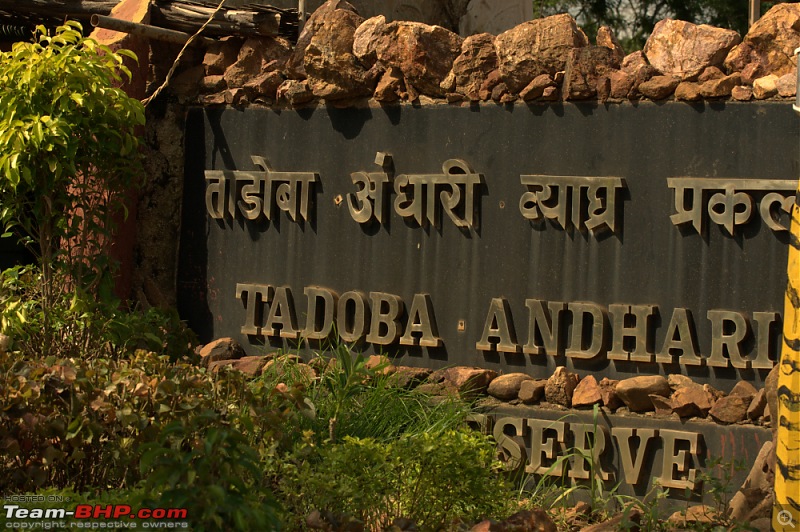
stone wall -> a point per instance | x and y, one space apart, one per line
341 57
463 16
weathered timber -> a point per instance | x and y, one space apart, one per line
145 30
59 8
186 16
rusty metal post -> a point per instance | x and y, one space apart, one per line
754 13
301 12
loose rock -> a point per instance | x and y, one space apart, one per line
587 393
770 42
682 49
742 93
585 66
476 61
720 87
608 393
688 91
540 46
635 392
424 54
691 400
332 70
757 405
730 409
560 387
607 39
294 92
659 87
220 349
506 387
532 391
466 381
536 87
787 85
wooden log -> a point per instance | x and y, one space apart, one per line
189 17
59 8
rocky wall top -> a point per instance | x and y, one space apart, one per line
341 58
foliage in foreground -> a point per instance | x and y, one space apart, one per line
68 155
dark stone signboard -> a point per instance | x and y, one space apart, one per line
618 239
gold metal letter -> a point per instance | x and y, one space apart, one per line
500 326
639 332
679 459
546 448
682 324
421 320
512 447
253 297
544 329
721 342
389 317
632 463
763 320
598 316
352 325
596 445
314 295
281 320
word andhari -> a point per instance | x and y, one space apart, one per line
585 202
618 332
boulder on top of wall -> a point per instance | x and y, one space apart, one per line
294 92
257 55
659 87
742 93
770 42
295 67
423 53
540 46
606 38
535 89
765 87
477 60
221 54
720 87
332 70
585 67
787 85
682 49
639 70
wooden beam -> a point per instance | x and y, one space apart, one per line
189 17
59 8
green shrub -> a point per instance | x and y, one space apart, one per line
204 464
80 326
78 423
68 155
433 479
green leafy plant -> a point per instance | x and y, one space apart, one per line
433 479
204 464
68 153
